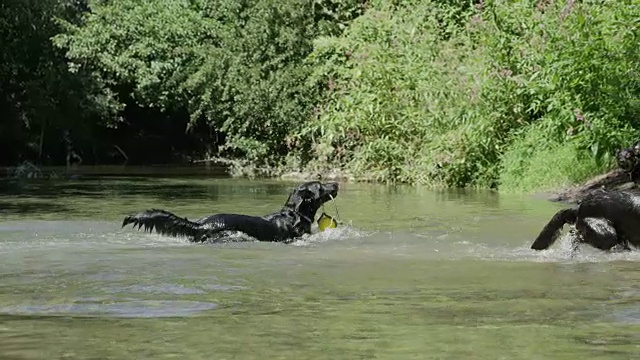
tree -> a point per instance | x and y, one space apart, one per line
40 98
237 67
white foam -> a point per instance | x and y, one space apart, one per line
561 251
342 232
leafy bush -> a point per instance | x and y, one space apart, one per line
479 93
411 102
236 66
529 166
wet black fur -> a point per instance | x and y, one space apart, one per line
292 221
604 219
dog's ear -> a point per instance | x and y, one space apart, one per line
305 193
298 197
308 194
313 190
297 201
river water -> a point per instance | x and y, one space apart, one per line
413 274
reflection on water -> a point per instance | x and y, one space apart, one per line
448 274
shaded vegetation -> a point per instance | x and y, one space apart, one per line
39 97
520 95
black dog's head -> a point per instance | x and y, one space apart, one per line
307 198
624 158
628 158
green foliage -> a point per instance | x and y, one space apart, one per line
381 102
582 86
528 166
516 94
145 45
236 66
411 102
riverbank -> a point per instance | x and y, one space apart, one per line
615 179
39 172
612 180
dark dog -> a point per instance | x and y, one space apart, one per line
292 221
628 159
604 219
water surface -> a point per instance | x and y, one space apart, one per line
414 273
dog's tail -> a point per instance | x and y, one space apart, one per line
166 223
551 231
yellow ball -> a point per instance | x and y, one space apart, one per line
325 222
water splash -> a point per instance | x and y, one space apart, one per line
561 251
436 241
343 232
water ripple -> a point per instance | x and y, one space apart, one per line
128 309
629 315
157 289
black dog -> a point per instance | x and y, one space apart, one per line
628 159
604 219
292 221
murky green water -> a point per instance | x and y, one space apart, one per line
417 274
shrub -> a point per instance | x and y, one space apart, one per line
410 102
236 66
